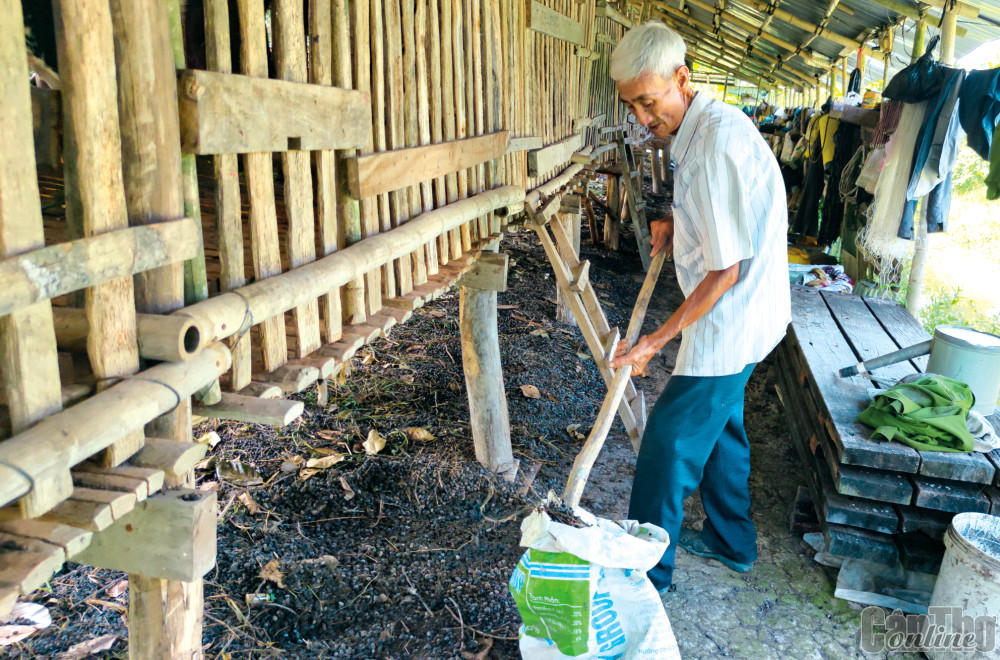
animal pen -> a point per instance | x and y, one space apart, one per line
196 274
252 192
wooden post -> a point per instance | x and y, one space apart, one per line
484 379
919 37
656 175
922 246
164 616
570 222
612 223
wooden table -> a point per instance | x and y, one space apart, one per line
876 500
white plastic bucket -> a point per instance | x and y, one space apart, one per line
972 357
970 580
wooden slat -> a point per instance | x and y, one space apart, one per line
290 59
949 496
864 333
554 155
378 173
240 114
900 325
228 209
28 563
70 539
259 173
274 412
29 368
524 144
548 21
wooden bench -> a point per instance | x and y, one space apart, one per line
879 501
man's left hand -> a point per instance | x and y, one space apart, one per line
638 357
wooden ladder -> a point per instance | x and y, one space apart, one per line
574 283
632 175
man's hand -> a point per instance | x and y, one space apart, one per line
662 235
639 356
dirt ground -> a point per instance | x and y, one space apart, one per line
407 553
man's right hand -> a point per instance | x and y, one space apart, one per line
662 235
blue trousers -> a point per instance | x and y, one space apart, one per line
695 437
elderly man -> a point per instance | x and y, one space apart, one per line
727 233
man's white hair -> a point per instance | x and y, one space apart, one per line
650 48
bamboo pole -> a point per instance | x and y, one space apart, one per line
395 117
169 338
437 72
421 35
380 119
223 315
60 441
411 125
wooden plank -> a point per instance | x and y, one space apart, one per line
173 458
929 521
70 539
240 114
273 412
83 478
855 543
121 503
46 112
974 468
374 174
864 333
91 516
818 342
395 110
855 512
411 129
28 563
548 21
291 378
524 144
949 496
900 325
554 155
921 553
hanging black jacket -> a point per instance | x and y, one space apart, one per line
979 108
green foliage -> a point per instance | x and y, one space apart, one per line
948 307
969 174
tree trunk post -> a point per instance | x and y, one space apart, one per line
484 379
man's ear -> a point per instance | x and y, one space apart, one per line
683 76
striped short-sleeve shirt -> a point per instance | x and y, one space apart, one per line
729 208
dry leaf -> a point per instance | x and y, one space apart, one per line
374 444
117 589
206 464
324 462
348 491
208 486
531 392
89 647
272 573
325 451
211 439
416 433
574 432
407 378
454 387
329 434
540 332
583 356
13 634
247 501
305 474
368 358
508 307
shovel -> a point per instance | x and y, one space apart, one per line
592 447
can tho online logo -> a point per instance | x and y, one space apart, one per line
941 629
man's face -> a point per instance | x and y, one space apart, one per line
657 103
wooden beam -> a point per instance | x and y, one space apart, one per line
71 539
170 536
524 144
223 113
46 111
273 412
56 270
222 315
373 174
166 338
488 273
554 155
816 30
606 10
28 563
548 21
172 457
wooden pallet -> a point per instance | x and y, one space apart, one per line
877 491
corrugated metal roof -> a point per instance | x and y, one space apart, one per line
741 20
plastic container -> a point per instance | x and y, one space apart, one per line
969 579
972 357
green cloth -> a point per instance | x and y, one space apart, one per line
928 414
993 176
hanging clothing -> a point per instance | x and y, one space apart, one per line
888 120
826 128
934 157
979 108
847 141
807 215
993 176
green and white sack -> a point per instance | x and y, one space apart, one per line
583 592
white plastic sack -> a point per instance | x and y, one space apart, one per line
583 592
